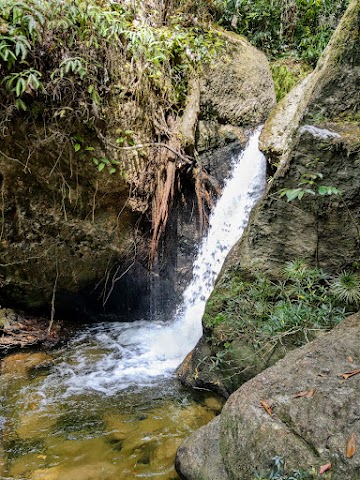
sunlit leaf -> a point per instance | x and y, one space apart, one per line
350 447
267 407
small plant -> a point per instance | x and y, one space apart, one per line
347 288
103 162
277 473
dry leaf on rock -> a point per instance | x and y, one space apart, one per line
325 468
267 407
347 375
350 447
350 359
305 394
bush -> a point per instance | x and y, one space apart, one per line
69 55
299 27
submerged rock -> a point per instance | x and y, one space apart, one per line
314 411
21 364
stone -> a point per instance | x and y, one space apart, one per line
306 432
237 89
199 456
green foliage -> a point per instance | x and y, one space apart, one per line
308 185
66 55
301 27
303 300
111 165
286 74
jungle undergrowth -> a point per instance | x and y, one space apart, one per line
301 302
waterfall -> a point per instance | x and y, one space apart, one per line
140 352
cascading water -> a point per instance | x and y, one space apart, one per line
112 357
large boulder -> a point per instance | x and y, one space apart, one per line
310 416
236 91
64 224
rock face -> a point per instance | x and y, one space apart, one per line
60 219
312 137
313 414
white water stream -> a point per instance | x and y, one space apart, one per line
110 357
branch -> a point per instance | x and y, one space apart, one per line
53 300
149 145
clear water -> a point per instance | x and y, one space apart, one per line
72 435
107 406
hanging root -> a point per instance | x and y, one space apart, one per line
161 205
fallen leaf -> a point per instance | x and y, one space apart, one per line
350 358
350 447
267 407
347 375
324 468
42 457
305 394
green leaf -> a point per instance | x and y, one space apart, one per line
95 160
77 147
112 170
101 167
20 105
301 194
328 190
20 87
89 149
292 194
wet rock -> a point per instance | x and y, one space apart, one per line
92 471
25 464
304 430
34 423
